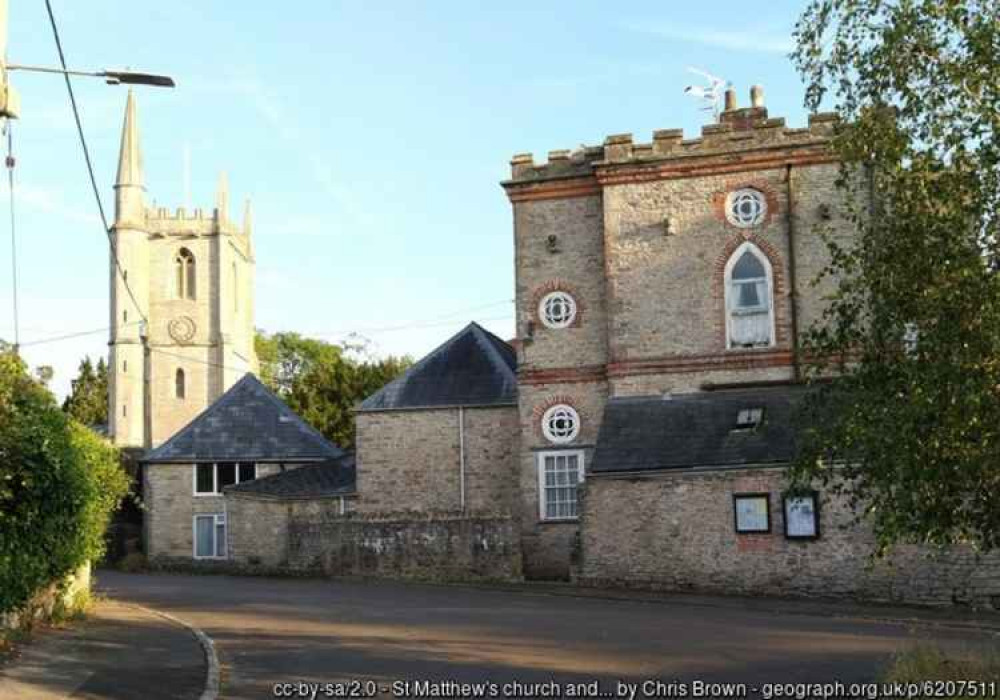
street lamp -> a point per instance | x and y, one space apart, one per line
111 77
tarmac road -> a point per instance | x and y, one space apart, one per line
274 631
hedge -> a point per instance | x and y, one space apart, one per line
59 485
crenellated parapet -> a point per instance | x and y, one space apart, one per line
164 221
740 134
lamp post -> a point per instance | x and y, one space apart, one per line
10 103
111 77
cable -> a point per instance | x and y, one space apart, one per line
428 323
90 166
220 365
13 231
78 334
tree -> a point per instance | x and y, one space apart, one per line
321 381
910 431
59 485
87 402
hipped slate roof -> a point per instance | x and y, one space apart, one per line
473 368
696 430
247 423
333 477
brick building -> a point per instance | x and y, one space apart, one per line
661 291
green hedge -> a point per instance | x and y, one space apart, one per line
59 485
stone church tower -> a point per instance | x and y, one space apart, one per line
192 276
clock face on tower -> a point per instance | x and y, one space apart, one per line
182 329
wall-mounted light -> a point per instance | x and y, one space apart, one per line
552 243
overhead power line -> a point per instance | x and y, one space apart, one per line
77 334
413 325
220 365
427 323
90 166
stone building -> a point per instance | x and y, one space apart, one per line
657 268
191 274
442 438
661 292
208 489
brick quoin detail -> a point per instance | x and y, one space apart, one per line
557 285
540 409
770 196
777 277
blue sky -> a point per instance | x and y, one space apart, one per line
371 137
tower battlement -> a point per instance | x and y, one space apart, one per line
737 131
164 220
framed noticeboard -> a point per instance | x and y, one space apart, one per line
802 516
752 512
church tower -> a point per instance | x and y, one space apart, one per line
182 305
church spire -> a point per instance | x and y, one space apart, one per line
130 157
129 204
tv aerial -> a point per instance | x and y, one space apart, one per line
710 95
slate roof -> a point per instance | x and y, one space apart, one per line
332 477
473 368
696 430
247 423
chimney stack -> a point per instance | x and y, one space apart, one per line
744 118
730 99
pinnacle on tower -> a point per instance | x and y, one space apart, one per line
222 197
130 156
247 219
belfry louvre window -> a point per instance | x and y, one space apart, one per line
210 479
184 274
748 299
559 475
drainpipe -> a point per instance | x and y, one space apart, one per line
793 298
147 395
461 457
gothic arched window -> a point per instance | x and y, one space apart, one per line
184 274
180 389
749 299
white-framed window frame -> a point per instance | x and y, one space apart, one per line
215 492
570 412
565 298
540 465
218 520
735 219
730 310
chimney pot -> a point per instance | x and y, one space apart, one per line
730 99
757 96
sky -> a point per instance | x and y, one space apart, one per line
370 136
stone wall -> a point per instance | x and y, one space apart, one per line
411 460
259 527
676 531
406 545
